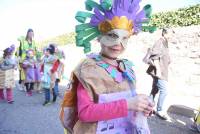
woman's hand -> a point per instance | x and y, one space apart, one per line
140 103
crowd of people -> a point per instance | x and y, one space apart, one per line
102 97
39 70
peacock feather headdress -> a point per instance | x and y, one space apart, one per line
109 15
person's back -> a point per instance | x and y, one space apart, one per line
160 53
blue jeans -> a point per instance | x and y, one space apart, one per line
162 87
55 89
47 94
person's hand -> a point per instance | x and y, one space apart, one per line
140 103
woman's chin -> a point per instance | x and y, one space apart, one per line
114 55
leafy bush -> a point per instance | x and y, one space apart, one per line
181 17
60 40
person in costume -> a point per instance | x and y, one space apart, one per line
31 69
102 97
7 78
48 79
58 71
26 43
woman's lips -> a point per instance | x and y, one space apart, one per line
116 48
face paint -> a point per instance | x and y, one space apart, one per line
115 37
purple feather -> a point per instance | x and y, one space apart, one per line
128 8
98 14
97 18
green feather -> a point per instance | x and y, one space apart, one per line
148 10
90 4
79 42
92 36
82 16
106 4
84 33
150 29
83 27
87 47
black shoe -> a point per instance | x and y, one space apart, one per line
54 98
46 103
10 102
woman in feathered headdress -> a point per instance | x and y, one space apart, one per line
102 96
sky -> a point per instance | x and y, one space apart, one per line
49 18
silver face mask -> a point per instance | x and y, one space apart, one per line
115 37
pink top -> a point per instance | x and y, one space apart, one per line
88 111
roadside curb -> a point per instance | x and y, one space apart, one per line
182 110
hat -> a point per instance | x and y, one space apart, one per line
29 30
10 49
51 48
111 15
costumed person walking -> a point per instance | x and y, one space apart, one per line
7 78
26 43
58 71
30 68
102 97
48 79
159 61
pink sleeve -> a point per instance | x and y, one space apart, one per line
88 111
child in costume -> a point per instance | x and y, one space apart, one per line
48 79
101 98
7 78
57 70
32 73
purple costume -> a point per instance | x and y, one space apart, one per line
32 70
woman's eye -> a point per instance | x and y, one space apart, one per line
112 35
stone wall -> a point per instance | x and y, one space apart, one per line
184 71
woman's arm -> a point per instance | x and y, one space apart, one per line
3 66
89 111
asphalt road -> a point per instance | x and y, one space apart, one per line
28 116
